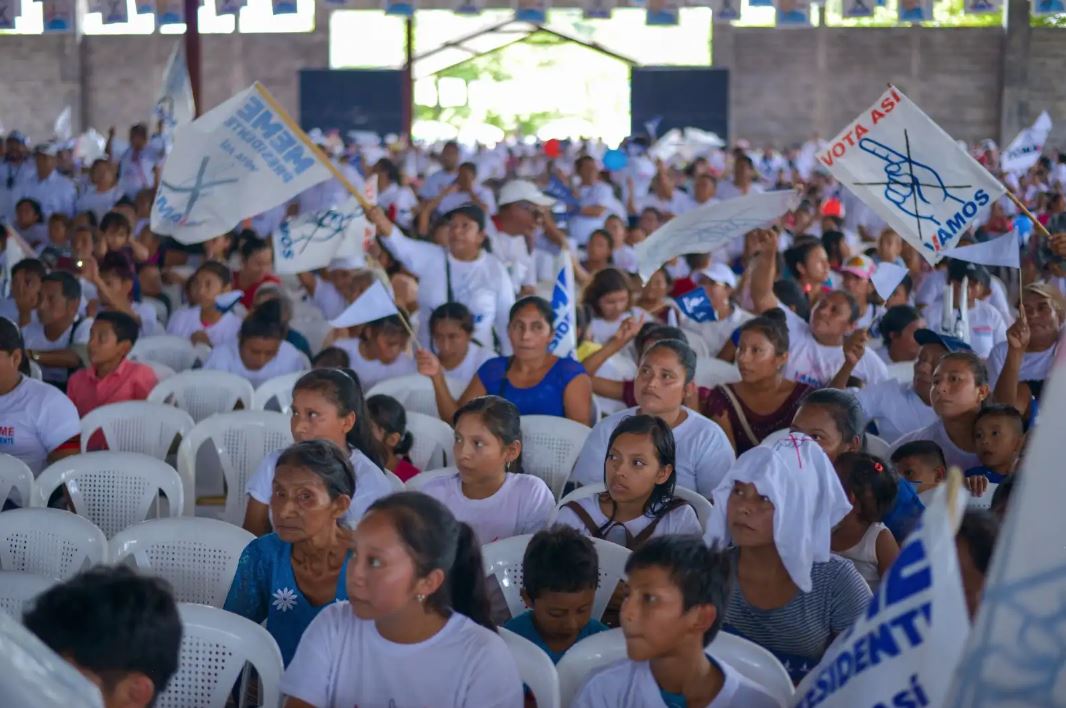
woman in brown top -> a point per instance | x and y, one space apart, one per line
764 400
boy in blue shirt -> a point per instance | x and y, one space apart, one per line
560 573
999 432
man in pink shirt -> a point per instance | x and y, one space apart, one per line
110 376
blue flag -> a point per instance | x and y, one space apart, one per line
557 189
564 340
696 306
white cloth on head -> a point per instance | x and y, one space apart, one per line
798 478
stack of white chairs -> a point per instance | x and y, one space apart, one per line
535 668
415 392
49 542
137 426
204 393
114 490
550 447
18 589
16 480
697 501
176 352
277 390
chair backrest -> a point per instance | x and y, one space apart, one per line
395 482
215 646
203 393
550 447
162 314
162 371
713 372
415 392
241 440
580 660
535 668
433 440
697 501
17 589
278 389
416 483
137 426
176 352
877 447
114 490
503 559
198 557
902 371
49 542
16 480
314 329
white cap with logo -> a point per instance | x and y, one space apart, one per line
521 190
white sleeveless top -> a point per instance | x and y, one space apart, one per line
864 555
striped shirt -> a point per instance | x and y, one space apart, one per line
799 633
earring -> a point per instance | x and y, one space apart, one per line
507 466
421 598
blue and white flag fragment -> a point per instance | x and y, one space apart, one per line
311 241
558 190
564 341
696 306
174 105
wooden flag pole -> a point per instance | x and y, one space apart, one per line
1036 222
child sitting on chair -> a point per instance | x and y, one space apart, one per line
678 590
110 377
999 432
560 573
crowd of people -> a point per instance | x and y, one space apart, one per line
358 584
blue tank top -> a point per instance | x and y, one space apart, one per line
546 398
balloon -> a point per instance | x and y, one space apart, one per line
615 160
552 148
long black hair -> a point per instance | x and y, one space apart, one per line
342 388
390 416
435 540
11 342
502 419
662 439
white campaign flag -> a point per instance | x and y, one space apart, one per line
1017 649
1003 251
1025 149
310 241
887 277
61 130
373 304
564 298
902 651
175 105
911 173
240 159
704 228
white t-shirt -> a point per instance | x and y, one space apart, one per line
34 338
370 484
186 322
329 299
475 357
99 203
513 252
895 407
136 173
524 504
631 684
704 454
597 194
729 190
953 454
374 372
681 521
228 358
816 364
1035 365
404 201
601 330
987 328
677 204
435 183
717 332
343 661
458 199
35 418
148 316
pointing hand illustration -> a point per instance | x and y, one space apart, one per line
914 187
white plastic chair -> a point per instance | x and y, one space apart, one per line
984 501
697 501
415 392
16 480
204 393
503 559
114 490
395 482
198 557
416 483
162 371
535 668
241 440
902 371
215 647
278 389
35 371
176 352
433 440
877 447
714 372
17 590
137 426
162 314
550 447
315 330
50 542
605 648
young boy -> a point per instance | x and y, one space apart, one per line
1000 434
26 279
921 463
202 321
560 572
114 280
674 607
110 376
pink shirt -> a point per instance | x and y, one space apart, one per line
131 381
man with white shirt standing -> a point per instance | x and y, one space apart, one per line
466 190
449 170
54 192
595 200
138 164
516 226
743 182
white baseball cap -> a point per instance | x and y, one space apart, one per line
720 273
521 190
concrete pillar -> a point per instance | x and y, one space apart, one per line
723 38
1014 101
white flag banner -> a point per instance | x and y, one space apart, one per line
902 651
1017 649
887 277
911 173
373 304
564 300
703 229
174 105
240 159
61 130
1003 251
1025 149
310 241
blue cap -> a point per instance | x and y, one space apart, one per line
952 344
17 137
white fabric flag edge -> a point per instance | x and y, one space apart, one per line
1000 251
372 305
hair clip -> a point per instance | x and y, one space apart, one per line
878 467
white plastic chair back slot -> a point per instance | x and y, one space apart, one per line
535 668
714 372
198 557
176 352
203 393
415 393
137 426
433 440
17 589
114 490
50 542
16 480
278 390
550 447
697 501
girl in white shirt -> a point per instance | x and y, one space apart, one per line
870 486
379 353
451 329
327 404
611 300
202 321
260 352
639 502
416 629
488 490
